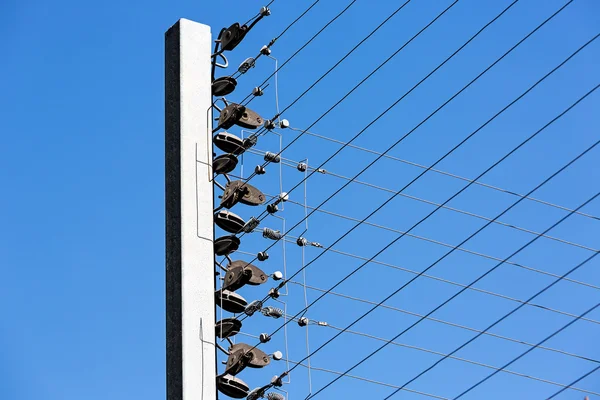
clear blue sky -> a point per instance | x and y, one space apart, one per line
83 192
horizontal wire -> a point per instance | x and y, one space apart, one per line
375 70
462 290
406 94
460 285
533 348
366 380
438 171
463 141
383 227
384 189
337 294
575 382
464 188
289 163
465 360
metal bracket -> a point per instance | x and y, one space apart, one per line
242 355
238 191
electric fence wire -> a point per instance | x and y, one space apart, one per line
237 74
595 254
250 96
262 130
379 383
471 236
438 171
291 239
491 334
422 122
378 226
582 377
486 292
406 94
372 73
533 348
479 230
465 360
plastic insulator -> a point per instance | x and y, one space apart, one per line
303 321
301 241
262 256
302 167
251 225
249 142
265 12
273 312
257 91
275 396
276 381
264 337
272 157
253 307
272 208
265 50
277 276
259 170
270 125
272 234
284 123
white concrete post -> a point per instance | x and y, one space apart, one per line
190 283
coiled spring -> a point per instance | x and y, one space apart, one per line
275 396
271 311
272 234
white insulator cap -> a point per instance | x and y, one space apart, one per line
277 276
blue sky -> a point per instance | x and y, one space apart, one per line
83 209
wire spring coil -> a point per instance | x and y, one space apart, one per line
271 311
272 234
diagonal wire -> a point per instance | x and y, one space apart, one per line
345 296
289 164
447 281
553 310
299 49
541 342
343 58
452 150
438 171
473 282
381 65
366 380
465 360
237 74
440 243
575 382
464 188
384 189
408 92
